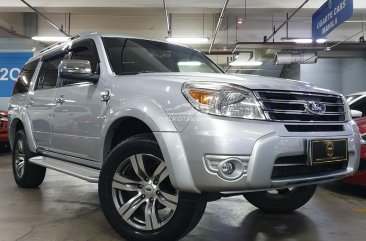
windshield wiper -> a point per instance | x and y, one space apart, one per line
135 72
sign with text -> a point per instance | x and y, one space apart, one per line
10 65
329 16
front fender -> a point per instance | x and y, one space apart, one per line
146 110
165 132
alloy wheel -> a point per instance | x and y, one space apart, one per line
142 192
19 158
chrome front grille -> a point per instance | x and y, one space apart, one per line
290 106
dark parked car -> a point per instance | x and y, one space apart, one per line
4 130
359 178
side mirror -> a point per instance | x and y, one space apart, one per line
74 71
356 114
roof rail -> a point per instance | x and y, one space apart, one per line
58 44
49 47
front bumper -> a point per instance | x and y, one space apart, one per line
261 143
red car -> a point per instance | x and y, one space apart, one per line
3 129
359 178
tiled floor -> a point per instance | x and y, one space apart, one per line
66 208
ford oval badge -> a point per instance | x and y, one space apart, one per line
315 108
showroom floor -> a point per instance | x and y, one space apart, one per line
66 208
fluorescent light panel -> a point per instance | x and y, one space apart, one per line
186 40
321 40
50 39
190 63
246 63
304 40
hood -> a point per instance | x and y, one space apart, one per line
248 81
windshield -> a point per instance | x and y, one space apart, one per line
351 98
133 56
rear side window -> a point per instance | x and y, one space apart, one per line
48 74
25 77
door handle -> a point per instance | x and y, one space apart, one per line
30 103
105 95
60 100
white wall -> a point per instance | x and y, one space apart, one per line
327 73
353 75
12 21
346 76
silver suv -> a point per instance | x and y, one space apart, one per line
163 130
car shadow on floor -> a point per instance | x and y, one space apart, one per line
345 189
258 225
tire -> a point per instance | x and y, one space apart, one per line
281 200
26 174
137 197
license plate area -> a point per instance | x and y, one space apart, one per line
326 151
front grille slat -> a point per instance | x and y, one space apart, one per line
313 128
295 166
306 170
296 102
290 106
300 112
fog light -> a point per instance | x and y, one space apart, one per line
228 168
231 168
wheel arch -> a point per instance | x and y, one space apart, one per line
120 124
121 129
19 119
14 127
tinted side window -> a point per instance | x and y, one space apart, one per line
86 50
25 77
48 74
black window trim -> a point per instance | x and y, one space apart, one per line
92 44
34 75
72 47
44 60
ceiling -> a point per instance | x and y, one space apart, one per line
17 5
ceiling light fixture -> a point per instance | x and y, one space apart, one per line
321 40
304 40
186 40
50 39
189 63
239 21
246 63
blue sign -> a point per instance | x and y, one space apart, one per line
329 16
10 65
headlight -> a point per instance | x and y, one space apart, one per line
223 100
3 117
347 110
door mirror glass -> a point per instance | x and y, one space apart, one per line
74 70
356 114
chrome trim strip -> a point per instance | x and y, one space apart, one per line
297 93
299 102
290 164
301 112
